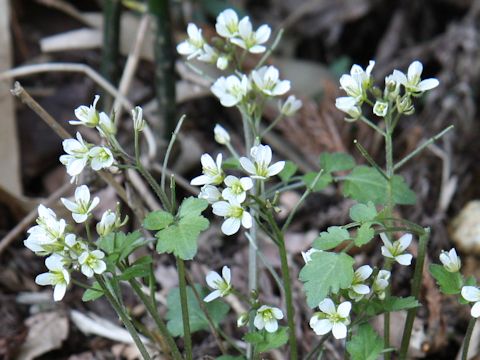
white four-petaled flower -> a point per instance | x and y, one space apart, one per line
231 90
212 171
260 167
47 233
267 318
221 285
77 155
472 294
193 46
450 260
380 108
87 115
381 283
91 262
267 80
331 318
227 24
349 105
251 40
82 207
101 157
57 276
396 249
234 214
236 188
290 106
412 81
357 82
358 289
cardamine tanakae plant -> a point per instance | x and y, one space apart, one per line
242 185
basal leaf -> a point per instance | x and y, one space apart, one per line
363 212
192 206
265 341
157 220
365 344
331 238
331 162
326 273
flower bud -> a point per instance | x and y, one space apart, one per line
380 108
107 224
138 121
450 260
405 106
242 320
221 135
290 106
222 62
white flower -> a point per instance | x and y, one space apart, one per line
357 82
57 276
231 90
380 108
222 62
212 171
450 260
412 81
138 120
267 80
87 115
349 105
221 285
358 289
106 127
82 207
227 24
221 135
251 40
236 188
234 214
307 255
472 294
193 46
92 262
209 54
210 193
290 106
73 246
331 319
381 283
392 88
260 168
101 157
107 224
45 236
267 317
77 157
395 250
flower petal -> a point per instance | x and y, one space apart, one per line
212 296
344 309
404 259
322 327
230 226
212 279
471 293
339 330
327 306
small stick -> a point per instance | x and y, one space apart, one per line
27 220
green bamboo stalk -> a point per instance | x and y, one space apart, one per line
164 65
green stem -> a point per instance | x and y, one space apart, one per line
372 125
184 303
468 336
162 196
169 150
367 157
275 43
416 286
124 317
421 147
272 125
151 308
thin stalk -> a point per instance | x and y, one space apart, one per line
232 150
318 347
184 303
169 150
421 147
370 160
275 43
372 125
416 286
468 336
151 308
125 318
162 196
273 124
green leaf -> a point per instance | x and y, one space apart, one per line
288 171
139 269
365 233
180 238
118 246
365 184
217 310
326 273
392 304
365 344
324 180
94 293
363 212
331 162
331 238
231 163
157 220
450 283
265 341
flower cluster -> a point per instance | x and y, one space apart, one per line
66 252
231 201
359 85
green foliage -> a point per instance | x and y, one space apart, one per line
217 310
365 233
230 357
331 238
288 171
95 292
365 344
231 163
140 268
158 220
363 212
391 304
265 341
180 236
323 181
331 162
365 183
326 273
118 246
450 283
